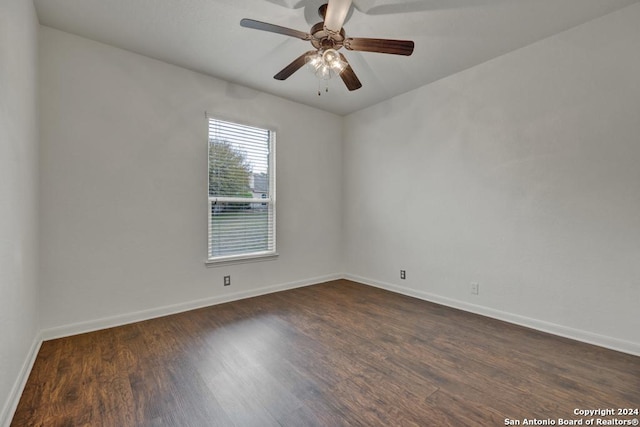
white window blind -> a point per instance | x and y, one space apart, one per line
242 201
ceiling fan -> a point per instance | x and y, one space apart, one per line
327 37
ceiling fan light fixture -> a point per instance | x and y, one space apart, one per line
330 56
324 73
332 59
326 64
314 61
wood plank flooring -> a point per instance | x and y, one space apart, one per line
334 354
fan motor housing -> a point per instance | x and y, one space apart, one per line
325 40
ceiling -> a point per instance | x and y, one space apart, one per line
205 36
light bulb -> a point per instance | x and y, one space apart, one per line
314 61
332 59
323 72
330 56
339 66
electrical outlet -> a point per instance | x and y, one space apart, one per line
227 280
475 288
403 274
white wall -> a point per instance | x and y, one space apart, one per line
18 198
518 174
522 174
123 196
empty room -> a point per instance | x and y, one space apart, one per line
319 213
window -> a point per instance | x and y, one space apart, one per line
242 204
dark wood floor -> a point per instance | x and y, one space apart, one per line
333 354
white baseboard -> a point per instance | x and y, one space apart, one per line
11 404
540 325
123 319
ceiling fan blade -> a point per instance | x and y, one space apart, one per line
395 47
349 77
297 63
336 14
258 25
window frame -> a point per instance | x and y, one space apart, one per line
271 200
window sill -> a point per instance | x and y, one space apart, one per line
241 259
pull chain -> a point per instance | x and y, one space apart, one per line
326 86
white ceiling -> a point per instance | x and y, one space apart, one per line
205 36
